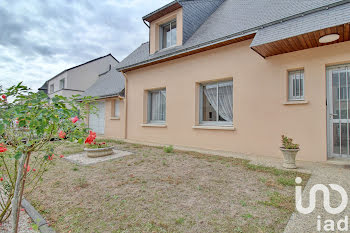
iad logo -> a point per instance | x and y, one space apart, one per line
326 196
328 225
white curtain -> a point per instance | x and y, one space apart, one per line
225 101
210 92
224 93
158 106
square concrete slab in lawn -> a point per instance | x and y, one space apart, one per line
82 158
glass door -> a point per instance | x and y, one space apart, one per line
338 111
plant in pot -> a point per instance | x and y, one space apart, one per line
94 149
289 151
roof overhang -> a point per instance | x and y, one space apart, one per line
173 6
303 41
303 32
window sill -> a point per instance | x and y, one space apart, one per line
114 118
228 128
154 125
295 102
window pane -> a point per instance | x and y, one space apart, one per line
296 85
166 36
302 86
62 84
173 33
225 96
343 95
163 105
158 105
116 108
336 93
209 102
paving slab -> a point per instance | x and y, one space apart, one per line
82 159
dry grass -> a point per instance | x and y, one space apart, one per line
155 191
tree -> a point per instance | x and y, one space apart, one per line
30 126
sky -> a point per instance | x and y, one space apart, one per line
41 38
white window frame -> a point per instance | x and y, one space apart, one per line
217 122
296 85
64 83
161 27
149 108
52 88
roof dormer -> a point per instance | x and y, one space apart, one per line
166 27
173 24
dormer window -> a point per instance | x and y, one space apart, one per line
168 34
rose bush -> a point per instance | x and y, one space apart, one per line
29 122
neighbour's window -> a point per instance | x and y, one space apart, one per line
52 88
296 85
168 34
62 84
216 103
116 108
157 106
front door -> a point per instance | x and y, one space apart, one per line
338 104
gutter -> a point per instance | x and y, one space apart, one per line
231 36
125 107
144 21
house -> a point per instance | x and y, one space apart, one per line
76 80
234 75
107 118
44 88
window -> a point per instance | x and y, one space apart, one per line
52 88
168 34
116 109
216 103
62 84
156 106
296 85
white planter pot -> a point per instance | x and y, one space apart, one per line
289 158
99 152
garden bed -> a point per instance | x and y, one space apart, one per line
155 191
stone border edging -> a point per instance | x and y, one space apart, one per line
36 217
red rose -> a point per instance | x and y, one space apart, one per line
4 97
1 179
34 169
62 135
91 138
75 119
61 156
2 148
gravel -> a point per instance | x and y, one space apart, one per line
25 224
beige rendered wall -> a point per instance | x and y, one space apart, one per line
260 91
114 127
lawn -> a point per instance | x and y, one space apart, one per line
156 191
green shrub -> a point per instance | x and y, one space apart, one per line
168 149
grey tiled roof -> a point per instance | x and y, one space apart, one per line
233 18
195 13
109 84
309 23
